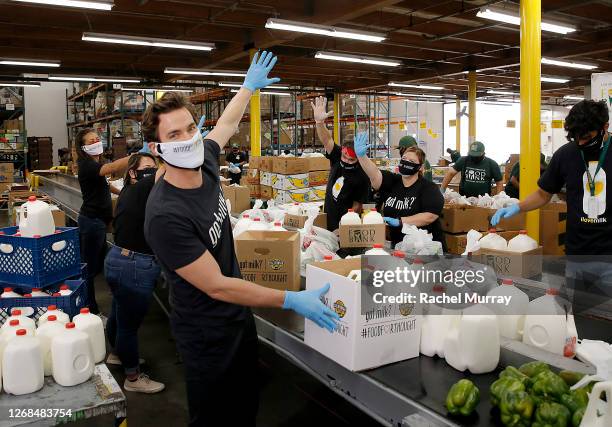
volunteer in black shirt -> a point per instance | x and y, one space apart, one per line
236 158
96 211
347 186
187 225
131 272
513 184
407 197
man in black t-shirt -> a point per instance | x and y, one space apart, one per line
188 228
236 159
347 186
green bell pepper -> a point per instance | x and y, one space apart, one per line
550 414
577 417
549 386
516 408
512 372
504 385
462 398
531 369
575 399
571 377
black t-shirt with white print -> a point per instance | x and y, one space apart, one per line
180 226
399 201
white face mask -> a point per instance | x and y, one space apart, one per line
93 149
183 154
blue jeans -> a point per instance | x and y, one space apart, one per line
92 236
131 277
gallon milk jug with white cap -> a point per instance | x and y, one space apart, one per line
38 292
36 219
258 225
64 290
93 327
71 356
24 321
479 339
52 310
278 226
546 323
242 225
373 217
377 249
350 218
22 364
493 241
522 242
9 293
47 331
511 317
436 323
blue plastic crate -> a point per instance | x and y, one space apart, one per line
27 289
69 304
41 261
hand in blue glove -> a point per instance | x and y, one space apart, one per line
393 222
145 148
361 144
507 212
309 305
204 132
257 75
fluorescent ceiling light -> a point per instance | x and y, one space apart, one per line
156 89
29 62
323 30
200 72
513 18
425 87
85 4
109 79
147 41
267 93
415 95
502 92
223 84
569 64
353 58
554 79
574 98
19 84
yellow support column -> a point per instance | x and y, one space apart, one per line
472 106
458 125
531 17
337 118
255 117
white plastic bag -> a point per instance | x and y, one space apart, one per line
485 201
472 245
234 169
418 242
598 354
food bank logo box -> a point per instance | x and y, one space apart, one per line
361 236
382 334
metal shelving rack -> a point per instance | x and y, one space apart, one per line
14 151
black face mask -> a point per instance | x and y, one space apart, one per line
143 173
594 143
408 168
349 167
476 159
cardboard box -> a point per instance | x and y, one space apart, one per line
290 182
290 196
224 181
244 181
265 164
270 258
316 178
455 243
252 176
298 221
316 194
516 223
254 190
361 236
59 216
318 164
518 264
360 342
265 192
6 172
290 165
553 222
461 219
265 178
239 197
254 162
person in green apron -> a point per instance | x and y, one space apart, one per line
409 141
477 173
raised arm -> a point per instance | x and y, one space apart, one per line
368 166
256 78
320 113
115 168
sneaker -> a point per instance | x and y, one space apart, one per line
113 359
143 384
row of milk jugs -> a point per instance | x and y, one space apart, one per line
66 350
470 339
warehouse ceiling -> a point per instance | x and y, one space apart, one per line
435 41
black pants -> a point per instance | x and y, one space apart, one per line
92 233
235 178
220 364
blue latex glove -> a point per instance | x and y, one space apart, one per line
257 75
145 148
393 222
204 132
507 212
309 305
361 144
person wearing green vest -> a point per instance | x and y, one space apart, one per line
477 172
454 154
407 142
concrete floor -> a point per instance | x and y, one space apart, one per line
289 397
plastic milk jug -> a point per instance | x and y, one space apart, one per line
571 337
452 345
47 331
52 310
9 293
278 226
546 323
493 241
436 323
479 339
350 218
258 225
377 249
22 364
37 292
93 327
599 412
24 321
242 225
64 290
294 209
373 217
71 357
522 242
36 219
511 317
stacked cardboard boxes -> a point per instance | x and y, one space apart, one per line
40 152
6 176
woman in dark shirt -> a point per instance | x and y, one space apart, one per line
96 211
131 272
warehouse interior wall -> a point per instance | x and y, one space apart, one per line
45 113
